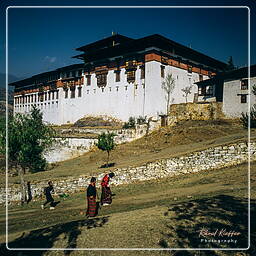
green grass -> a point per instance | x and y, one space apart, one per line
184 138
153 214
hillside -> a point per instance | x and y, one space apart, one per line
155 214
186 137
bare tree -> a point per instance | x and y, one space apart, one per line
168 86
187 91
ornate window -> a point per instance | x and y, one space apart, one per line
131 67
244 84
101 79
130 76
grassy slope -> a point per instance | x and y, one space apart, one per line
149 214
166 142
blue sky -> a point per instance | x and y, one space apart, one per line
44 39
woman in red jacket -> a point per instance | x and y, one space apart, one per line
106 195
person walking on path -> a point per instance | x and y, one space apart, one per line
106 195
49 199
91 199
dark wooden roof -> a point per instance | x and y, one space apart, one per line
230 75
153 41
104 43
31 80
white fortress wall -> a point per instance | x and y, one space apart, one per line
155 102
118 99
182 79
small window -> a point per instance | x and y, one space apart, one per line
131 76
57 94
88 91
66 94
243 98
244 84
126 88
101 79
45 96
110 89
94 90
53 95
117 88
209 90
49 95
117 75
142 72
162 71
79 91
189 69
73 93
88 79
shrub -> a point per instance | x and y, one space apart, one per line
130 124
141 120
245 118
106 143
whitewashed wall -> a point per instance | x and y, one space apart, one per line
232 106
122 100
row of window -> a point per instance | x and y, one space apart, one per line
205 91
37 97
21 107
189 71
68 74
73 90
102 77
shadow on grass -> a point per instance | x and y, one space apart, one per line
45 237
189 222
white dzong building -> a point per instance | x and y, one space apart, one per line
119 77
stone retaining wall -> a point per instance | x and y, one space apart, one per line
72 147
208 159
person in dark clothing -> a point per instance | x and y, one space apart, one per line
29 192
91 199
106 194
49 199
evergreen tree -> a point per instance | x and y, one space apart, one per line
28 137
245 118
